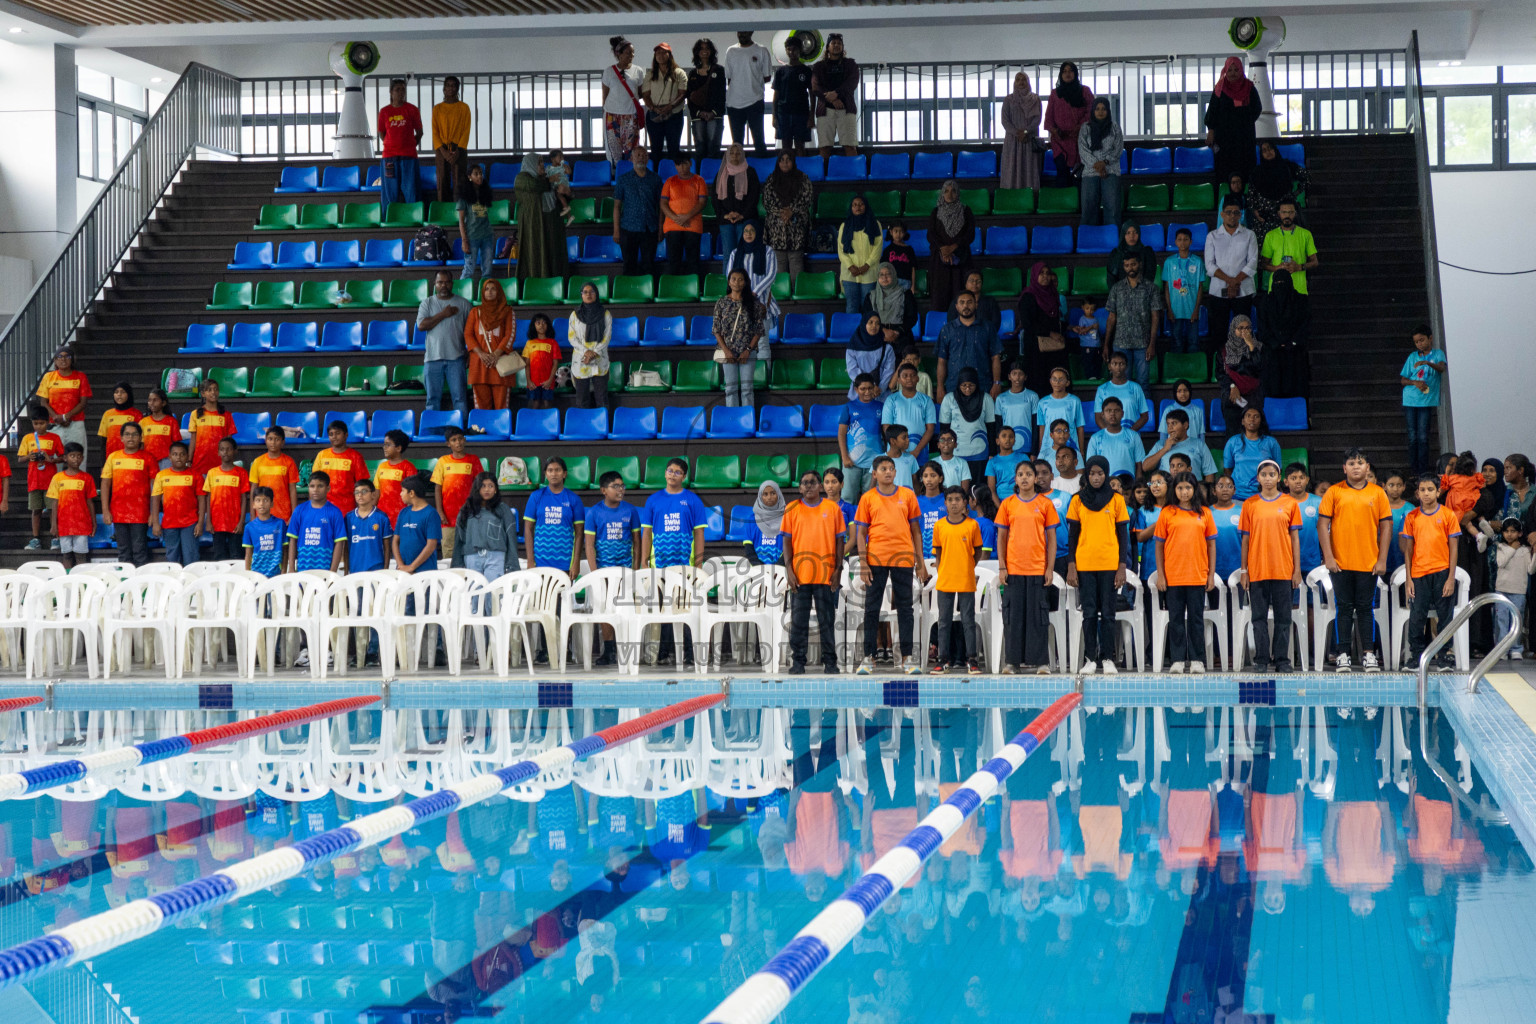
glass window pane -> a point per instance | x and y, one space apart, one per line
86 133
124 136
1520 72
1522 129
1432 128
128 94
1468 130
105 160
1450 75
93 83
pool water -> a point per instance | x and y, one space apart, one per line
1218 864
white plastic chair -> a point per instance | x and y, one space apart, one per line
287 602
358 602
1320 583
1214 626
108 571
750 769
140 609
42 570
1242 627
991 621
13 595
1397 651
921 620
59 610
756 600
656 597
1131 622
588 603
436 599
205 608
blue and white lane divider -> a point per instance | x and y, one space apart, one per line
95 935
122 759
764 995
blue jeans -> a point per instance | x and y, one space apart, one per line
1502 617
1418 437
1186 335
706 138
479 259
397 187
738 382
853 295
180 545
454 372
730 234
1137 357
1101 199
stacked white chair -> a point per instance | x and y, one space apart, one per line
1214 625
358 603
57 614
140 611
291 603
756 600
1131 622
586 604
1397 650
436 599
13 594
1325 610
208 606
1242 628
656 597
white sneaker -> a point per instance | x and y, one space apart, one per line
1088 669
1368 662
908 666
866 666
1343 664
1516 655
1197 668
1176 668
1107 667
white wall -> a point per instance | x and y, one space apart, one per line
1482 221
38 150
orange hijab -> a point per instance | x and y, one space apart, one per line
493 305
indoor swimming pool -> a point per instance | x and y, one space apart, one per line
1219 862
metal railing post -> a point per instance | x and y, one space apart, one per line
1447 632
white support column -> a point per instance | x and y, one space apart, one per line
39 163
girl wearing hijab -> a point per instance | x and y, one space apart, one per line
895 307
1237 188
589 331
490 332
1021 123
541 250
1066 112
1272 181
122 411
1241 367
869 352
1042 336
765 544
737 191
1131 245
1230 118
1100 143
858 252
761 265
969 412
787 199
951 230
1098 552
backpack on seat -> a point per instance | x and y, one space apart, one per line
430 244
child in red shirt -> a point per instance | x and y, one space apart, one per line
74 517
226 486
343 465
176 506
1464 486
542 354
43 451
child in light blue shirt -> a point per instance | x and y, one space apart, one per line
1016 408
1183 273
897 438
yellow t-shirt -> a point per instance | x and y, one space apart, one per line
955 544
450 123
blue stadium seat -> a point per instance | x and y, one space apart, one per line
709 168
1089 426
1152 237
823 422
384 252
634 423
763 165
1197 236
573 249
1006 327
1295 152
456 249
1193 160
812 166
251 256
296 337
781 421
251 427
1048 166
341 337
387 336
356 421
503 175
1052 240
600 249
743 521
976 163
585 425
343 254
681 422
1093 238
1152 160
843 326
299 179
295 256
1216 423
309 422
249 337
537 425
433 421
846 168
386 420
205 338
340 179
890 166
663 330
714 524
626 332
371 176
590 172
701 330
1286 413
918 240
1007 241
933 323
803 329
933 165
488 425
426 177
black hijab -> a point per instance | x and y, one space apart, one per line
1071 92
1273 178
857 222
1095 498
1495 493
970 406
1098 129
863 341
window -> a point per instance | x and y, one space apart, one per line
1480 119
110 115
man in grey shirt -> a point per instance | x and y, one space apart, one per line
1135 308
441 315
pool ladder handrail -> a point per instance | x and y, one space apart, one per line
1447 632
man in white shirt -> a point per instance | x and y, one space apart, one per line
747 67
1231 259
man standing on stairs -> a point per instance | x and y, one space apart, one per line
1286 314
1231 260
441 316
450 141
399 138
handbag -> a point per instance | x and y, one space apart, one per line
1047 343
511 364
639 110
719 354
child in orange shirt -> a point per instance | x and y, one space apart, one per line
956 550
890 549
176 506
1028 529
226 486
542 354
160 428
43 451
1464 486
343 465
1186 557
74 517
122 411
1431 535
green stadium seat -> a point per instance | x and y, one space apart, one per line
584 211
763 468
833 375
405 294
661 366
1057 200
630 289
655 477
1061 279
233 381
464 288
759 376
1079 376
509 287
1002 281
717 472
780 286
816 287
698 375
541 291
1190 366
578 472
885 205
273 295
366 378
277 217
1013 202
535 474
1090 281
794 374
317 294
920 202
1290 455
833 205
820 463
318 217
407 371
500 212
444 215
1217 456
627 466
405 215
232 295
360 215
678 288
362 294
272 382
1199 198
978 199
574 285
920 282
605 210
318 382
714 287
1147 199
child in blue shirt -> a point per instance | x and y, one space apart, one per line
368 532
1135 409
553 522
1060 404
418 527
930 502
673 521
767 514
1184 399
956 471
263 538
1296 484
858 431
612 527
1183 273
317 530
1016 408
1421 394
1000 467
1089 324
912 409
896 439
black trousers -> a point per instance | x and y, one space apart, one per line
1426 596
132 542
948 603
824 598
900 578
1352 595
1186 623
1096 590
226 545
639 249
1027 617
1264 595
683 252
748 119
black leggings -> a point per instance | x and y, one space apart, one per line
901 600
1097 592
